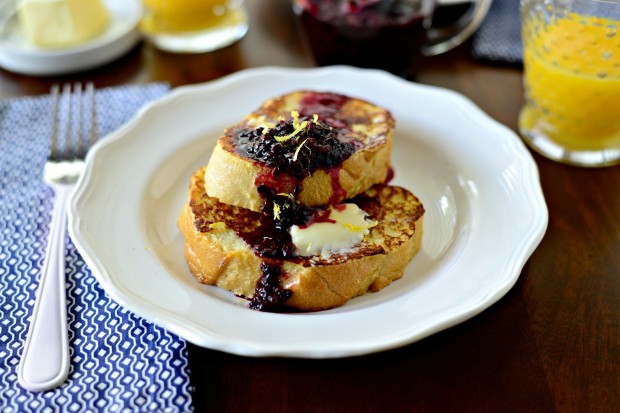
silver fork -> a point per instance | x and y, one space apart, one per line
45 358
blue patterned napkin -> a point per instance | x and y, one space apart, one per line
119 362
499 36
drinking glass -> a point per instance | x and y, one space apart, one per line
194 26
572 80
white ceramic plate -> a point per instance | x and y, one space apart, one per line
17 55
479 184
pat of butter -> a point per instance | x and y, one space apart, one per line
346 227
61 23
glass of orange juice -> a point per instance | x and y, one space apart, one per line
193 26
571 62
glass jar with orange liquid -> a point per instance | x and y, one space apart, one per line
194 26
572 80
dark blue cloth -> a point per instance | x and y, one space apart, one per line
119 362
499 36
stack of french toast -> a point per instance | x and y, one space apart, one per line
294 211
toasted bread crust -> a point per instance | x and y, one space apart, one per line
370 126
217 255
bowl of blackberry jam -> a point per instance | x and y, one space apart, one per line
385 34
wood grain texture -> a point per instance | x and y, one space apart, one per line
552 344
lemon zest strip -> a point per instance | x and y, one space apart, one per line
354 228
218 226
295 116
297 150
295 132
290 196
276 211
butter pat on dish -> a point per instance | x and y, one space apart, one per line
61 23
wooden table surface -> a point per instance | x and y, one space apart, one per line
552 343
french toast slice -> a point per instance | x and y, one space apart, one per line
343 149
224 246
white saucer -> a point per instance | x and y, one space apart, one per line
17 55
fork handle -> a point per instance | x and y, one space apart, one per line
45 359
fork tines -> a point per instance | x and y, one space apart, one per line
69 109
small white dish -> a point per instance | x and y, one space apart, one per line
17 55
485 214
451 2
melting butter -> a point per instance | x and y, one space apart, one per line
346 227
61 23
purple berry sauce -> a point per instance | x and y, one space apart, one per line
364 33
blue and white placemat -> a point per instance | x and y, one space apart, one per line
119 362
499 37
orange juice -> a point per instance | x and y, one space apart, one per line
194 25
572 81
187 15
